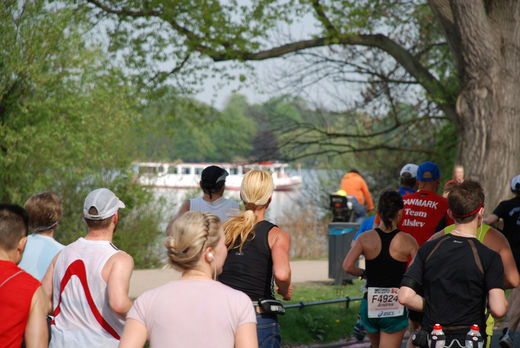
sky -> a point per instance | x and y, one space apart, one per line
261 86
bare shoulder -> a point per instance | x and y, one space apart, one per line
123 256
406 239
276 234
121 259
186 204
367 236
495 240
405 235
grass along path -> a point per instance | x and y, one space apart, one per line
320 323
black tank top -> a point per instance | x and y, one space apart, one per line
385 271
251 271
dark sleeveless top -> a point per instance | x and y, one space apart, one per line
384 271
251 271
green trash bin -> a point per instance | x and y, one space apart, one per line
340 237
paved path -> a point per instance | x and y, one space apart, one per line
302 271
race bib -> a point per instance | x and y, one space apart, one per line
382 303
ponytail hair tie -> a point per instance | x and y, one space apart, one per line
250 206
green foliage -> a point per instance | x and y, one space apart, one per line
234 134
324 323
65 119
173 33
175 127
396 52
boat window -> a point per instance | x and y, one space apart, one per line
172 170
198 171
147 170
233 171
185 170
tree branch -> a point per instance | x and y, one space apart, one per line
322 17
125 12
308 127
359 150
194 39
400 54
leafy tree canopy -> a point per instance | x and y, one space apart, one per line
453 60
65 118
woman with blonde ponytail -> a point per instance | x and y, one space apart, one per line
258 252
196 311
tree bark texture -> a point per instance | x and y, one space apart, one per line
485 40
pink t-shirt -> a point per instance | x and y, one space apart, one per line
192 313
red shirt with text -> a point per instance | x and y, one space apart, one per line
421 213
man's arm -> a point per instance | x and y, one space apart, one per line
36 333
497 302
409 298
47 282
185 207
496 241
280 242
119 270
491 220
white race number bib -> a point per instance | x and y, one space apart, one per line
382 303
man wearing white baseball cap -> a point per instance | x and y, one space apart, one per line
509 211
408 179
88 280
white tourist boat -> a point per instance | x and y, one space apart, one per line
176 175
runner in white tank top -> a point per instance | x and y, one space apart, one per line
222 207
83 317
88 281
212 183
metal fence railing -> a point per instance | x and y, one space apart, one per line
302 305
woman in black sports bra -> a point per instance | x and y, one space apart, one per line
387 252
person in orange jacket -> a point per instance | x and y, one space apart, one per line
354 184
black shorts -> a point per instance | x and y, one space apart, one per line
415 316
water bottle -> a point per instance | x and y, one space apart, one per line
473 338
437 337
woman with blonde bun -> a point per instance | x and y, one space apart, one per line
195 311
258 252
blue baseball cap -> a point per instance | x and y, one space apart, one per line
428 171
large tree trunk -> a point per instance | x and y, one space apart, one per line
485 42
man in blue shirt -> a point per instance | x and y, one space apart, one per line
44 211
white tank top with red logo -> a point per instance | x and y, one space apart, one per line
82 314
